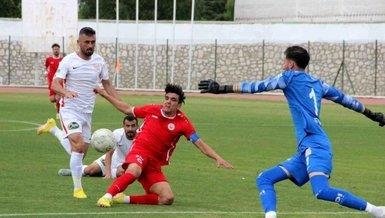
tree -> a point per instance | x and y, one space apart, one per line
10 8
204 9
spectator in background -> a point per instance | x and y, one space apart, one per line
51 65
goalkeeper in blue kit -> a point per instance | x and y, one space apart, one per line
313 159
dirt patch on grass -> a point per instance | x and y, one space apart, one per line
367 100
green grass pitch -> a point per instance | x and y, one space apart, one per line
251 134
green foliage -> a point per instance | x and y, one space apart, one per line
222 10
10 8
251 134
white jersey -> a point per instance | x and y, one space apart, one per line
81 76
122 147
119 155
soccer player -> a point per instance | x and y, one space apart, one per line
313 159
82 71
152 148
51 65
108 165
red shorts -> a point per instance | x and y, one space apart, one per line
151 170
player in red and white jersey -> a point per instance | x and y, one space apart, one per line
82 71
159 133
152 148
51 65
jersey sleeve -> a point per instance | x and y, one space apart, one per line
143 111
271 83
189 131
339 97
63 69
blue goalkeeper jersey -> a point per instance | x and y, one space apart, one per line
304 94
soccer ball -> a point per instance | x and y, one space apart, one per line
103 140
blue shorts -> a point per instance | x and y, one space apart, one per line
311 160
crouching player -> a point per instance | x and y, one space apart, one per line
108 165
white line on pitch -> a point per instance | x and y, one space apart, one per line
177 212
18 121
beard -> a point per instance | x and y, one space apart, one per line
88 52
130 135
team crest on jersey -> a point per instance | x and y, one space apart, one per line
97 66
171 126
73 125
139 159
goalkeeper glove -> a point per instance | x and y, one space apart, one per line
375 116
211 86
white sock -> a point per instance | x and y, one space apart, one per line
126 199
56 132
64 142
270 214
76 163
108 195
374 210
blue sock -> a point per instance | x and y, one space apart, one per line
322 190
265 183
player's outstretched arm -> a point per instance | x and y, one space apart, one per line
339 97
268 84
207 150
375 116
211 86
118 104
110 89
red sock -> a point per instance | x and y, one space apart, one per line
144 199
121 183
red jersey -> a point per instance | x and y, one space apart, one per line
159 134
51 64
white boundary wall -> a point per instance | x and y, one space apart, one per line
46 21
309 11
223 32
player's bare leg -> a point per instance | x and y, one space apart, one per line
57 106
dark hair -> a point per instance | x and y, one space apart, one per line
299 55
130 117
177 89
55 45
88 31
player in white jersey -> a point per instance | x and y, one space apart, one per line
80 72
109 165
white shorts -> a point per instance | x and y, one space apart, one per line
76 122
115 164
101 162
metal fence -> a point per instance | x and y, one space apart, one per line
355 67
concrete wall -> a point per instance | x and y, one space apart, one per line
224 32
309 11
